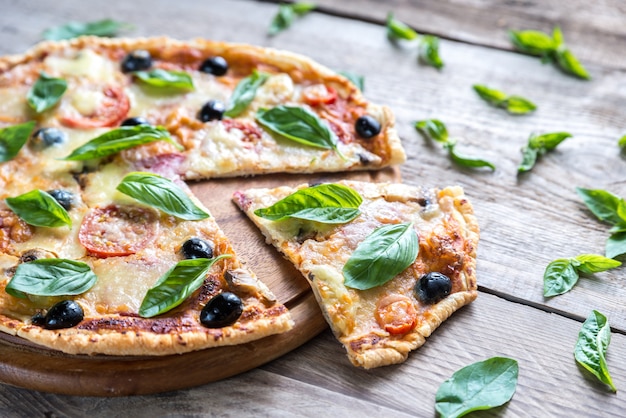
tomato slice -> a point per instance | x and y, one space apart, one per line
112 110
396 314
319 94
117 230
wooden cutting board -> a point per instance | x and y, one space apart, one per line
30 366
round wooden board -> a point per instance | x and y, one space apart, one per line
30 366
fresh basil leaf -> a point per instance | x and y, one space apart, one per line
590 350
549 141
397 30
429 51
46 92
359 81
381 256
560 277
286 15
432 129
245 92
161 193
593 263
518 105
104 27
491 96
327 203
480 386
13 138
603 204
300 125
532 42
177 80
615 245
529 159
570 64
176 285
622 142
557 37
51 277
120 139
39 209
464 161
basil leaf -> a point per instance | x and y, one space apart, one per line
560 277
397 30
477 387
46 92
104 27
592 263
286 14
176 285
465 161
557 37
590 350
491 96
13 138
178 80
516 105
326 203
570 64
603 204
432 129
161 193
51 277
384 254
532 42
359 81
300 125
615 245
245 92
622 142
39 209
529 158
429 51
118 140
547 142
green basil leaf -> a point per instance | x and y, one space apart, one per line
491 96
622 142
532 42
518 105
397 30
286 15
39 209
560 277
603 204
119 139
300 125
176 285
13 138
359 81
549 141
161 193
557 37
326 203
104 27
464 161
432 129
429 51
46 92
590 350
245 92
529 158
177 80
381 256
479 386
570 64
51 277
615 245
593 263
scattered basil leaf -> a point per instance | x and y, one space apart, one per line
429 51
480 386
532 42
176 285
529 159
176 80
604 205
516 105
433 129
13 138
381 256
539 145
46 92
570 64
622 142
562 274
615 245
327 203
491 96
300 125
120 139
592 263
465 161
397 30
104 27
286 15
359 80
51 277
590 350
245 92
38 208
161 193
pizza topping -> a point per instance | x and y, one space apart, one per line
319 94
111 110
38 208
35 254
212 110
64 314
367 127
117 230
432 287
214 65
63 198
163 79
245 92
396 314
46 92
137 60
49 136
197 248
13 138
243 280
138 120
13 229
221 311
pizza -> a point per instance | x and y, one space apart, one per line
387 262
103 247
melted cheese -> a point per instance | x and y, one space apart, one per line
86 64
86 101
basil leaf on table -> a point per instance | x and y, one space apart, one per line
532 42
429 51
483 385
516 105
177 80
622 142
590 350
104 27
381 256
119 139
357 80
326 203
161 193
46 92
245 92
561 274
38 208
397 30
13 138
465 161
539 145
300 125
433 129
176 285
286 15
615 245
51 277
611 209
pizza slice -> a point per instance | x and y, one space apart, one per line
388 263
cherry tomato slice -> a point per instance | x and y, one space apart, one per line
117 230
396 314
318 94
111 112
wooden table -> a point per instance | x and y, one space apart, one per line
526 221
